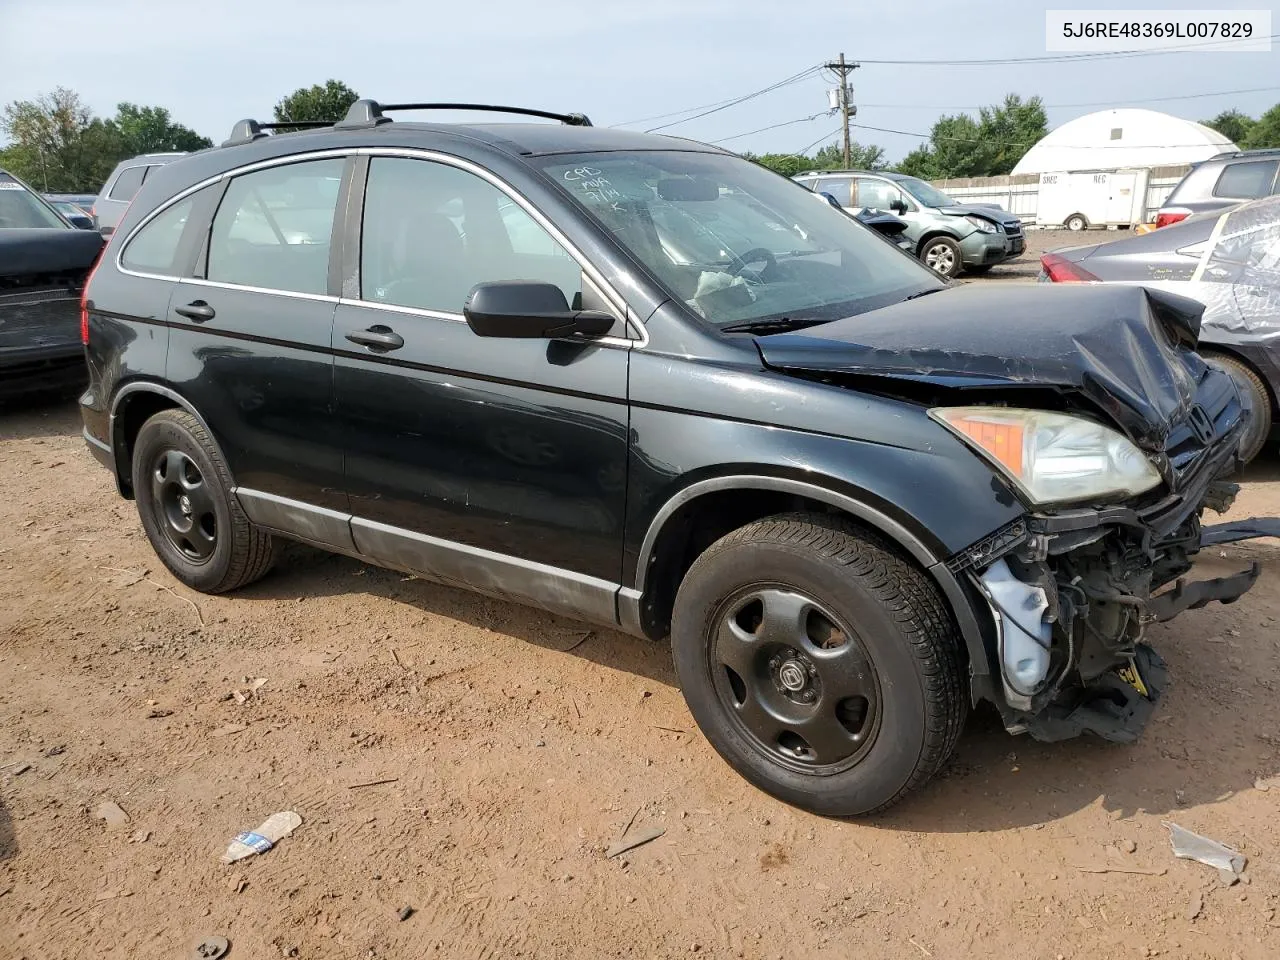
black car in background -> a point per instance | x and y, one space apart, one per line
44 261
645 382
1230 262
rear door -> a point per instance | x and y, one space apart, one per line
251 338
496 463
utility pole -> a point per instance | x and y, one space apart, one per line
847 110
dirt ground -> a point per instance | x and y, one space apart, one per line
519 746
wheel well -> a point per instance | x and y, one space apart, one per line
928 237
135 410
1215 350
1071 216
701 522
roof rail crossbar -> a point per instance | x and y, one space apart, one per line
364 113
246 131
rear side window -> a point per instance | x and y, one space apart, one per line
273 227
127 183
839 187
432 232
875 194
1247 180
155 247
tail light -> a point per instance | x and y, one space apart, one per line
84 298
1173 215
1061 270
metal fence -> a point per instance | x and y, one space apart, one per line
1020 194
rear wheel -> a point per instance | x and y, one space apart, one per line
1076 222
195 525
1254 396
942 256
819 663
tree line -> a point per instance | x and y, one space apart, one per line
58 145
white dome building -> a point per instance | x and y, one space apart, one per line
1122 139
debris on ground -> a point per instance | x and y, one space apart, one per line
1195 907
1191 846
1129 846
110 811
404 913
210 948
229 728
1134 870
272 830
20 768
647 835
155 713
56 750
371 783
142 836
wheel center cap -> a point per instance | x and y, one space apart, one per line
184 504
793 676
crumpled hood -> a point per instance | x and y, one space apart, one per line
1122 347
988 213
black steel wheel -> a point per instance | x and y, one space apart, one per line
798 681
194 523
820 662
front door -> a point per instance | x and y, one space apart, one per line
498 464
251 336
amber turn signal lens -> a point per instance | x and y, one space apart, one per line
1003 441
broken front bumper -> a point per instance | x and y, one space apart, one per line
1072 592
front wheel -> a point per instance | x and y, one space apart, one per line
942 256
819 663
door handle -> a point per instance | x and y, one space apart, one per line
197 310
377 337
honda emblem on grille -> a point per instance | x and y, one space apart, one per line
1200 423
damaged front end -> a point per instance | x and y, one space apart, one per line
1094 407
1071 599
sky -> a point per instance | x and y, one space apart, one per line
214 62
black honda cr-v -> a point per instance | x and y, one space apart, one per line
645 382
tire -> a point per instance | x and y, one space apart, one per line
893 640
195 525
1254 395
942 256
1076 222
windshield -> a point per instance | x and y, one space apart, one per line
927 194
19 208
736 242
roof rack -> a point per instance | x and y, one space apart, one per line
369 113
246 131
1245 153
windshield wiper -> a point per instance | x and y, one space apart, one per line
775 325
923 293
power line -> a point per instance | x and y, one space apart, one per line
673 113
775 126
794 78
804 150
1062 58
1064 106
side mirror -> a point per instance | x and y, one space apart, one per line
898 204
529 309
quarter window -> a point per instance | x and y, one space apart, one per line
273 227
127 183
432 232
1247 180
155 247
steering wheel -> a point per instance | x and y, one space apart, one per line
754 255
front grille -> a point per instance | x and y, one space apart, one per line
1013 229
1217 398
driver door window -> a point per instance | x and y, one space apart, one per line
432 232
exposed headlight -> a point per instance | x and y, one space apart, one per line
1052 457
986 226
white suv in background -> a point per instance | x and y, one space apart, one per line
120 187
